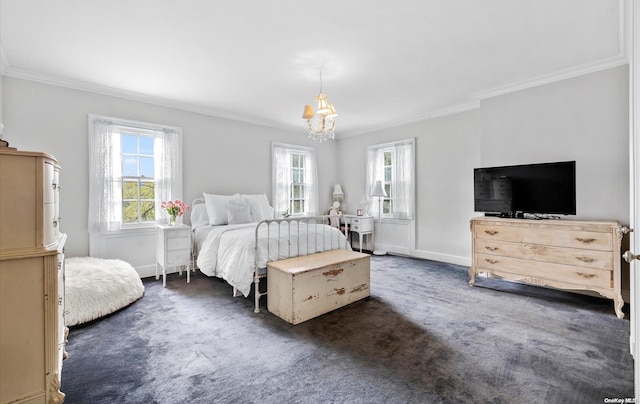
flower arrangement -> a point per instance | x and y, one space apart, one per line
174 209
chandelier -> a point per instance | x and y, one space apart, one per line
320 124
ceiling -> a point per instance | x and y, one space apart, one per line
385 63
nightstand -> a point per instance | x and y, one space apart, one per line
358 224
173 249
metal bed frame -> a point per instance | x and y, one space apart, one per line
323 220
331 220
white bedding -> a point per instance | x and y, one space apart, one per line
228 252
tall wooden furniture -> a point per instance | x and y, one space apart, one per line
32 328
565 254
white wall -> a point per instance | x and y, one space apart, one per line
446 153
220 155
583 119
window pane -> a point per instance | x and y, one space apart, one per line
296 175
129 144
296 207
130 166
146 167
148 211
146 145
296 191
130 190
147 190
387 189
386 206
387 174
387 159
130 212
302 165
294 160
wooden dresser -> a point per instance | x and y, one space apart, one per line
565 254
32 328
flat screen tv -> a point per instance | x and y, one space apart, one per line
544 189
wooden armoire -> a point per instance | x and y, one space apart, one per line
32 328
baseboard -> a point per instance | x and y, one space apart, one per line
449 259
147 271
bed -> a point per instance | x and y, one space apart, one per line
234 236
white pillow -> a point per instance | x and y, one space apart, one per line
216 208
267 210
238 210
255 207
199 215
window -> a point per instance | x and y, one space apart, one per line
393 165
295 189
298 193
138 183
134 166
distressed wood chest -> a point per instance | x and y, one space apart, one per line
302 288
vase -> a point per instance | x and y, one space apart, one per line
173 220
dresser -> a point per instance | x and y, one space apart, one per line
572 255
173 249
32 328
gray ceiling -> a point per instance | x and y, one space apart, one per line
385 63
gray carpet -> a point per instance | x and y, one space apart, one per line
424 336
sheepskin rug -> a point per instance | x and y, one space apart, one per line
95 287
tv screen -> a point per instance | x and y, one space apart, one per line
546 188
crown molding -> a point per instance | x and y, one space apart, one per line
417 118
588 68
133 96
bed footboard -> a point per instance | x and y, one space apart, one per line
294 237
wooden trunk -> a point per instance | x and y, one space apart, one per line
302 288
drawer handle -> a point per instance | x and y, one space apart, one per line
585 240
60 301
588 276
491 232
491 248
490 261
585 259
55 223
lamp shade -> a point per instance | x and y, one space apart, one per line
378 190
337 191
308 112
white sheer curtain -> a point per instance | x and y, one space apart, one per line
105 176
402 180
167 168
105 169
282 177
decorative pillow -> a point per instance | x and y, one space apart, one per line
238 210
199 215
255 207
267 210
216 208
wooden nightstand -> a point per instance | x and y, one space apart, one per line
358 224
173 249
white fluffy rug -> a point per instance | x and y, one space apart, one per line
95 287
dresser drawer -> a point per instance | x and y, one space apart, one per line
361 225
178 257
178 243
545 270
557 237
50 224
49 183
538 252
